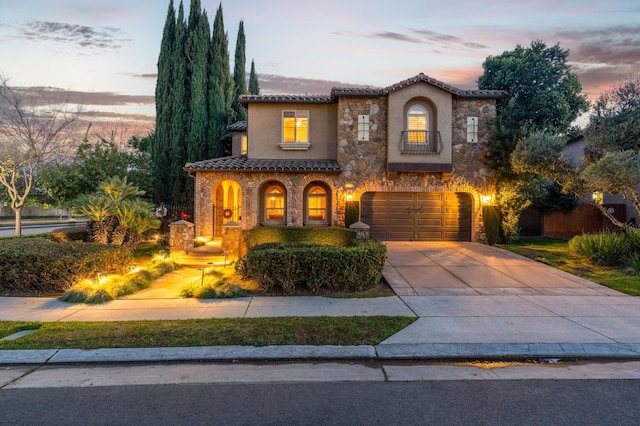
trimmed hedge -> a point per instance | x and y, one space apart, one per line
39 266
322 235
284 266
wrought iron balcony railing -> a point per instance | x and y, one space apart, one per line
420 142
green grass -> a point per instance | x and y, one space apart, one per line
204 332
557 254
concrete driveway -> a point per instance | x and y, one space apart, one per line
458 268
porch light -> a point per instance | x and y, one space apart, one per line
349 190
349 195
486 199
597 197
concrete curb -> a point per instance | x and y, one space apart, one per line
431 351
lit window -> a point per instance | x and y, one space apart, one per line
417 124
295 126
363 127
317 204
472 129
274 204
244 146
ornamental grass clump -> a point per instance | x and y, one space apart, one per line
103 288
605 248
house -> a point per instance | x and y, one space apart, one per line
406 156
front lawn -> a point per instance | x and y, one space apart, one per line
342 331
557 254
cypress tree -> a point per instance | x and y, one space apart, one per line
220 88
239 75
197 52
254 87
179 179
160 148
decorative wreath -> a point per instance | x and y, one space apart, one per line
227 213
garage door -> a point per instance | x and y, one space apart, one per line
422 216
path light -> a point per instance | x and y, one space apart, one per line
202 278
99 274
210 264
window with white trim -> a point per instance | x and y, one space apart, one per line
472 129
417 124
316 204
295 129
363 127
274 203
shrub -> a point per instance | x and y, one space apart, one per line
40 266
322 235
491 217
604 248
318 267
70 233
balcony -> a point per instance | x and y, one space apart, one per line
420 142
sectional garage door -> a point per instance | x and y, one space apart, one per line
422 216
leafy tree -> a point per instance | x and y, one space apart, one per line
95 163
29 135
615 172
117 213
220 88
179 115
197 55
542 94
254 87
614 124
161 146
239 75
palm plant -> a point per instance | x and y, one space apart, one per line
116 214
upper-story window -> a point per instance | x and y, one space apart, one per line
295 130
417 124
420 135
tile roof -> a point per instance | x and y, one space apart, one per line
238 126
337 92
311 99
444 86
244 164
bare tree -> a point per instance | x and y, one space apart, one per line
29 134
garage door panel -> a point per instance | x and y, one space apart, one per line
425 216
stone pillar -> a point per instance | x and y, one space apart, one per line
181 235
233 240
362 230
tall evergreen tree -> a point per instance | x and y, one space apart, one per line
160 149
179 115
220 88
239 76
254 87
197 53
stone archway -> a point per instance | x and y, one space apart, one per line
226 204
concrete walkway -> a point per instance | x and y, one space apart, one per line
471 300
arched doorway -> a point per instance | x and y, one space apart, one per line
227 205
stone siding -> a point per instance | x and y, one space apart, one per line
364 168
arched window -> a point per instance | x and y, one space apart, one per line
274 203
317 203
417 124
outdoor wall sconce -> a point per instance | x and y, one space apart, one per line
486 199
349 190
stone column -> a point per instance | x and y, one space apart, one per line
181 235
362 230
233 240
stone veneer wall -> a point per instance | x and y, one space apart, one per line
364 166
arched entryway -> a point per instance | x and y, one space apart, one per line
227 205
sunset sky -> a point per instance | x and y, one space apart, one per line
104 52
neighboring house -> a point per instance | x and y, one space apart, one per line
406 155
574 151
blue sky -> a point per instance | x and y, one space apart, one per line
105 51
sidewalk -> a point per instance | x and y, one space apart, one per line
472 302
